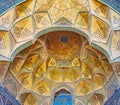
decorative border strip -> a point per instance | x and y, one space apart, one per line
7 4
6 94
114 4
114 99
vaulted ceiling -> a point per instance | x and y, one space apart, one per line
57 58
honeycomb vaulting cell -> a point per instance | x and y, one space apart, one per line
22 29
25 8
100 30
7 19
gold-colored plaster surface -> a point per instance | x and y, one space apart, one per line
65 61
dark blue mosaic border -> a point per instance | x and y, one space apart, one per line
6 96
115 4
114 99
7 4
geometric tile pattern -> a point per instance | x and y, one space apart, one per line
93 18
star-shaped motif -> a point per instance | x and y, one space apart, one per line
67 9
63 8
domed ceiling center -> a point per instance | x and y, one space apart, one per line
63 45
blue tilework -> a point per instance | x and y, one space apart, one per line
63 99
6 98
6 4
115 4
64 39
114 99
